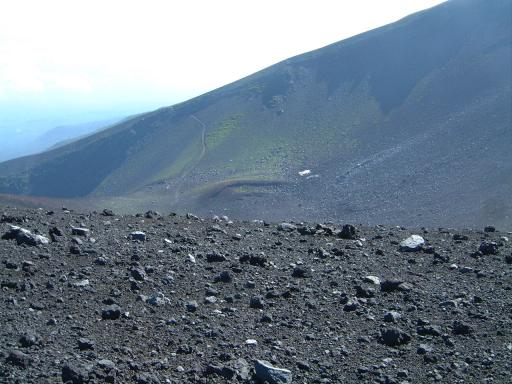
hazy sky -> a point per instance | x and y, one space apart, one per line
100 52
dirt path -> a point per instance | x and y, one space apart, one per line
203 137
187 171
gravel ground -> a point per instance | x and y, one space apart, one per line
178 299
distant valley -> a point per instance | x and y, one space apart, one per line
24 137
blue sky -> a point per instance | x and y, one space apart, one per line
143 54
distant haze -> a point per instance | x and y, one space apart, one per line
91 55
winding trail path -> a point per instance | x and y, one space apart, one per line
203 137
185 172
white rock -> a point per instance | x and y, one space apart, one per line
412 244
371 279
81 283
138 235
273 375
286 227
24 236
80 231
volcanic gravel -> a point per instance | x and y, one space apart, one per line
178 299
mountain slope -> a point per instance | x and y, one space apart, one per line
410 119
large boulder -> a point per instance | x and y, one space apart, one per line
273 375
394 337
348 232
24 236
413 243
489 248
77 231
138 235
286 227
75 373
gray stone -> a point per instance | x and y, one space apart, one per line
257 302
392 317
286 227
19 359
217 228
461 328
76 374
273 375
151 214
414 243
138 274
138 235
24 236
424 349
429 330
85 344
80 283
28 339
80 231
390 285
157 300
112 312
371 280
106 364
242 368
489 248
348 232
394 337
191 306
351 306
215 257
224 277
301 272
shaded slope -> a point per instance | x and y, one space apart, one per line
414 116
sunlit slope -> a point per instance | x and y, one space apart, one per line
412 116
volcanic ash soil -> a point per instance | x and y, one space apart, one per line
93 298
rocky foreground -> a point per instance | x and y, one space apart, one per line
167 299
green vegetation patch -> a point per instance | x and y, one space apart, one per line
222 131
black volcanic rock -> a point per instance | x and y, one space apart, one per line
301 272
394 337
24 236
19 359
489 248
112 312
85 344
209 322
75 374
215 257
461 328
348 232
390 285
28 339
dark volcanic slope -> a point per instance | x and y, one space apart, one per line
199 300
409 123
